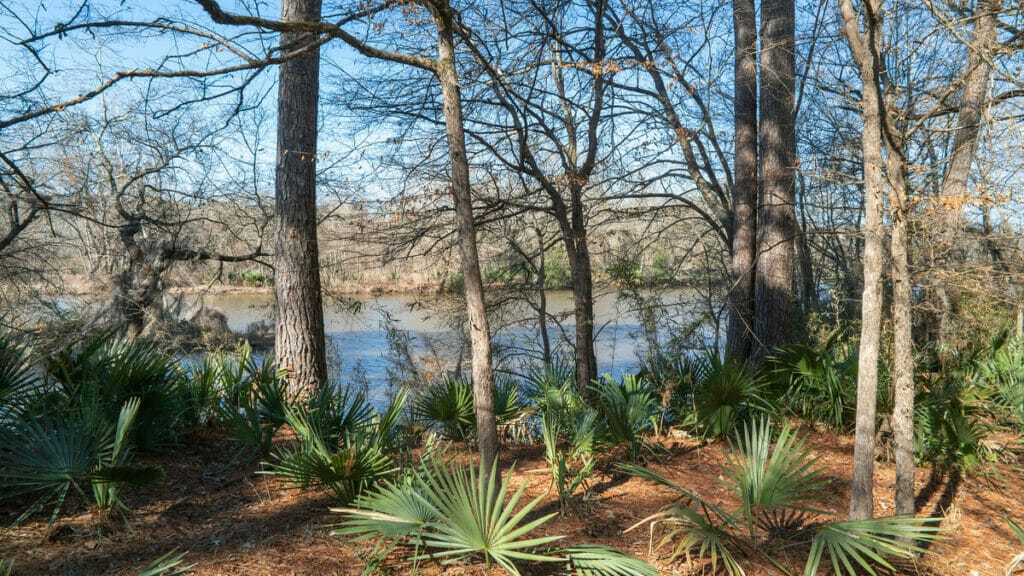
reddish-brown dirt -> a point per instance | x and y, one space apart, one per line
232 520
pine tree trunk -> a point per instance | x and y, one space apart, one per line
776 220
299 343
479 330
744 193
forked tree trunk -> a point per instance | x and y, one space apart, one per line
744 193
479 330
299 332
863 48
776 221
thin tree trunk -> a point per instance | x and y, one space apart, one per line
776 221
479 330
903 353
542 300
863 49
744 193
299 343
583 299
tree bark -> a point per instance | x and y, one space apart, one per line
863 47
776 220
581 276
903 352
299 333
744 193
479 329
973 102
542 299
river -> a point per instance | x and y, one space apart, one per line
359 347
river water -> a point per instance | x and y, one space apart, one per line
359 346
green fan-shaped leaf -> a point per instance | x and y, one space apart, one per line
859 546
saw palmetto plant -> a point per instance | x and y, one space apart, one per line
776 481
450 512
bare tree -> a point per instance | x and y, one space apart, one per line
551 94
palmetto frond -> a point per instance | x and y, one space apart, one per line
726 392
476 514
170 564
18 381
72 451
449 512
448 405
627 410
784 477
775 485
344 455
858 546
593 560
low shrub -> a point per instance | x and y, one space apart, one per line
776 487
106 372
726 393
820 385
74 451
449 513
344 444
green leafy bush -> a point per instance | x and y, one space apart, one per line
552 386
447 405
202 391
569 441
253 398
950 419
1001 368
20 385
252 278
74 451
627 409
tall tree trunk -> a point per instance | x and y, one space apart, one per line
299 334
971 113
744 193
863 47
476 311
903 352
776 221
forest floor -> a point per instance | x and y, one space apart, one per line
230 519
